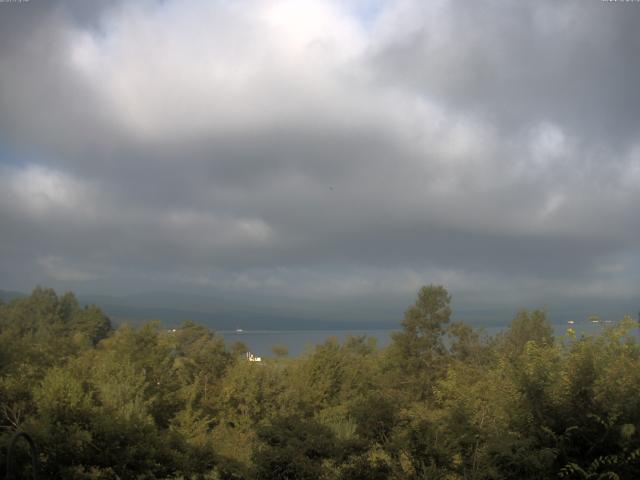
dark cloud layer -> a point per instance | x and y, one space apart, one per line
282 149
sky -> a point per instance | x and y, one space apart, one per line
341 154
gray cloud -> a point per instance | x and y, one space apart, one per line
301 150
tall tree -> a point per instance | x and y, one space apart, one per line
418 350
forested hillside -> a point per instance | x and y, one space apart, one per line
442 401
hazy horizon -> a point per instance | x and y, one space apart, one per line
229 312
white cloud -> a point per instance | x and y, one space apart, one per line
38 191
189 68
213 231
548 144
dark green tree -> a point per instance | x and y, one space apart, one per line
417 353
293 448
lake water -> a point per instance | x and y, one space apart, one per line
260 342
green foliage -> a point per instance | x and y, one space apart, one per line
442 401
293 448
417 353
375 417
527 327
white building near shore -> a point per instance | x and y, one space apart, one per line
253 358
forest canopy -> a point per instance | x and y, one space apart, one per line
442 401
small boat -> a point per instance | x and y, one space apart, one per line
239 330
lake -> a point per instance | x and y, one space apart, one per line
260 342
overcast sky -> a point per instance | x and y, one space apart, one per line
325 150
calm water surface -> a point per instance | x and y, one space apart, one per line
260 342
